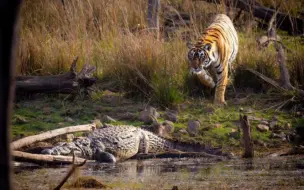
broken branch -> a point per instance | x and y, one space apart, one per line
72 170
50 134
44 159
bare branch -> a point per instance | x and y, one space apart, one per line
44 159
72 170
50 134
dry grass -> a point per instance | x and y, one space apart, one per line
52 34
146 67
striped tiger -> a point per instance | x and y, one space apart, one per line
211 57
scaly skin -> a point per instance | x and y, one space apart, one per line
113 143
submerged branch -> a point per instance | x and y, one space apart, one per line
72 170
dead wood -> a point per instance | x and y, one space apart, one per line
44 159
267 79
281 57
72 170
293 151
248 144
50 134
263 42
69 82
288 23
153 16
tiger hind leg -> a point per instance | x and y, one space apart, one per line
220 89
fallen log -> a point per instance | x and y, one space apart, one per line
70 82
288 23
45 159
50 134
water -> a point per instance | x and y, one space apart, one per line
260 173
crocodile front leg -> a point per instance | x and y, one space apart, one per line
143 143
101 156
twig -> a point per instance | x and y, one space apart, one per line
72 170
274 106
238 15
284 103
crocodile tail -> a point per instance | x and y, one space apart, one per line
159 144
196 147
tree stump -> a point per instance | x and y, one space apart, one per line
248 144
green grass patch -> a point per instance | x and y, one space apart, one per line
218 124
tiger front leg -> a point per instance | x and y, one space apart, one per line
220 89
205 78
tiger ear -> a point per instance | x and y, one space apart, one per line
189 45
207 47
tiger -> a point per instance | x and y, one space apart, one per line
211 57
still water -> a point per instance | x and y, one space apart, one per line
198 173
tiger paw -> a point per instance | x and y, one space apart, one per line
220 103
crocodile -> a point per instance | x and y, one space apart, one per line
117 143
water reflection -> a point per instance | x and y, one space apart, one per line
160 166
286 173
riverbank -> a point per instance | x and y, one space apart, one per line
194 120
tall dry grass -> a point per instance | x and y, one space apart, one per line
52 34
143 66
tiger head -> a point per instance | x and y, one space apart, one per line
200 56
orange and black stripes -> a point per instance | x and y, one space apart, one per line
216 49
